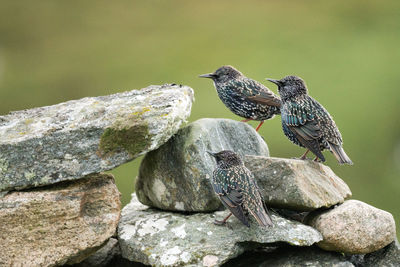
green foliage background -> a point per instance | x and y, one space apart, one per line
347 51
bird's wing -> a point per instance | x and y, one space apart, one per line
255 203
257 92
331 133
328 126
228 190
300 119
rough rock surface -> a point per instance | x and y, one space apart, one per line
50 144
388 256
354 227
301 185
57 224
165 238
103 256
291 256
177 175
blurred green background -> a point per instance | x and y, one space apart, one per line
348 52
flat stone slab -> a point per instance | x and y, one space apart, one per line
163 238
58 224
354 227
177 175
301 185
69 140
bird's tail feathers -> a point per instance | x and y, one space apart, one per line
340 155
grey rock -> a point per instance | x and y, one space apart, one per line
354 227
301 185
163 238
177 175
388 256
58 224
291 256
103 256
66 141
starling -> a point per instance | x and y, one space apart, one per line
245 97
237 189
306 122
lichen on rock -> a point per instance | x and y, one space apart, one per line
177 175
163 238
69 140
132 138
294 184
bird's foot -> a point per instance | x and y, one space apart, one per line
223 223
317 160
301 158
217 222
304 156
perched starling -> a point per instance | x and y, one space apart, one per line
245 97
306 122
237 189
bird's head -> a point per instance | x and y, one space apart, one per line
226 158
223 74
290 86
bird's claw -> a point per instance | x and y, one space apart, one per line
300 158
217 222
222 223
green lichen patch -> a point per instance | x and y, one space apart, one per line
170 245
28 121
131 136
141 112
29 175
3 165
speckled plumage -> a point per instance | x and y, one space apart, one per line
306 122
236 187
245 97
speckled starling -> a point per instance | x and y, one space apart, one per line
306 122
245 97
237 189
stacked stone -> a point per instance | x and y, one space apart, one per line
310 206
56 205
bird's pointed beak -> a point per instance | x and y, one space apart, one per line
208 75
211 153
277 82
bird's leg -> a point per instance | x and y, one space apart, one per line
305 154
258 127
246 120
223 221
316 159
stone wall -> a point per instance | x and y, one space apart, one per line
57 208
